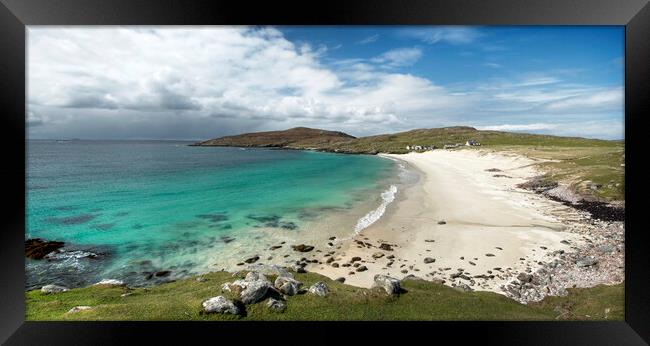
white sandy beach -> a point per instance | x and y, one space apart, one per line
488 224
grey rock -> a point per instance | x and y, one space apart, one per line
287 285
111 282
255 276
49 289
319 289
389 284
429 260
254 291
586 262
524 278
220 304
79 308
276 305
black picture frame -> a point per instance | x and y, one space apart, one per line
15 15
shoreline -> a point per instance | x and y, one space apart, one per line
507 254
491 234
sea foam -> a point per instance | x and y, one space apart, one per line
386 198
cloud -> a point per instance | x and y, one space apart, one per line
128 82
369 39
446 34
605 99
399 57
242 75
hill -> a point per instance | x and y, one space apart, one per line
297 137
593 168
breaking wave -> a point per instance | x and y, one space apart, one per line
387 197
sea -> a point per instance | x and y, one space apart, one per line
146 212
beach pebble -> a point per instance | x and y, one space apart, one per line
362 269
341 279
377 255
302 248
442 222
429 260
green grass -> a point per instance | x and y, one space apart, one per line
580 166
579 161
423 300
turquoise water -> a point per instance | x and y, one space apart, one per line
146 206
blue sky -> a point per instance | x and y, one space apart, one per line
192 83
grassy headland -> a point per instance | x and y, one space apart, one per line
590 167
423 300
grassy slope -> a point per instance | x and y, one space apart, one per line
580 160
181 300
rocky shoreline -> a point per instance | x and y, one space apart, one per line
600 259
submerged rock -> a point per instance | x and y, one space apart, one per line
38 248
220 304
49 289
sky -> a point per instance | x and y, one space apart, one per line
205 82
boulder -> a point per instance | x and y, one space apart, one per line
111 282
220 304
319 289
255 276
354 259
49 289
442 222
275 305
362 268
428 260
386 247
287 285
341 279
377 255
79 308
254 291
389 284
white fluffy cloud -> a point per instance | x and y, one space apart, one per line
206 75
127 82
